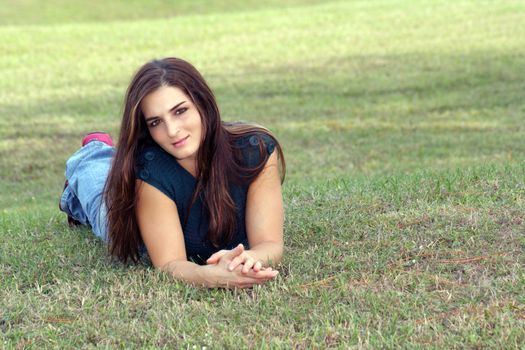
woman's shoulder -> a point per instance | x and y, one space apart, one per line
254 139
255 147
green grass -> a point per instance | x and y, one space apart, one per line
402 125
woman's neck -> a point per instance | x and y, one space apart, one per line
190 165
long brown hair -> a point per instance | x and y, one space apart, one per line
218 159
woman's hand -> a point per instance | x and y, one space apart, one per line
235 257
224 269
218 276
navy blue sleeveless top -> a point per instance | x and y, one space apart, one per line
162 171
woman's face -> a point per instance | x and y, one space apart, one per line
174 123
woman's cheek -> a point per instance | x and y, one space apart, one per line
155 131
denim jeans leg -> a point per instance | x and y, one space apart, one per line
86 172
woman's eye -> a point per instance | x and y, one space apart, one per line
154 123
181 110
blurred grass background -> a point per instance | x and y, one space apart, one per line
402 126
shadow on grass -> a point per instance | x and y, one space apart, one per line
31 12
349 115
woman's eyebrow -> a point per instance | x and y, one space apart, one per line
171 110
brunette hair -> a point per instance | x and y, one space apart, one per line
218 158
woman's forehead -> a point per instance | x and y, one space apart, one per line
162 100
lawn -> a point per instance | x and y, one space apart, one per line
402 124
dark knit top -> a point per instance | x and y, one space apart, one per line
161 170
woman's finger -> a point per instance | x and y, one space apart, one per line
272 273
257 266
248 264
236 262
263 274
235 252
215 257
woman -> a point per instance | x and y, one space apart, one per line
190 189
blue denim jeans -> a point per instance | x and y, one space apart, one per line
86 172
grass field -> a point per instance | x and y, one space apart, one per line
403 128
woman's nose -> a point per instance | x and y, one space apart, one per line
172 128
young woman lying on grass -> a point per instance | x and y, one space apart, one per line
202 197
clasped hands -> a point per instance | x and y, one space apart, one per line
239 268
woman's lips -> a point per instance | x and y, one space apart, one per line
180 143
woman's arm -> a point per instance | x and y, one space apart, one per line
162 234
265 215
264 222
